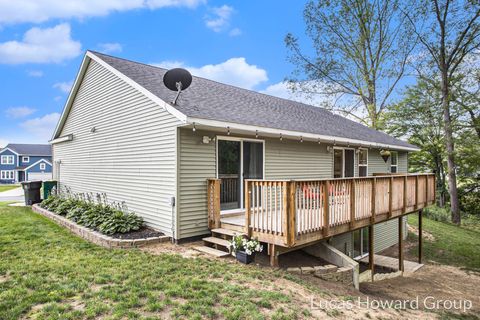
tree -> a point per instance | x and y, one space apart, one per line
449 32
361 50
417 118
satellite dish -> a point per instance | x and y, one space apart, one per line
177 79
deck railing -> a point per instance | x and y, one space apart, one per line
294 212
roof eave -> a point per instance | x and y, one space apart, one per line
294 134
83 68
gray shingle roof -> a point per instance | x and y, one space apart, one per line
31 149
212 100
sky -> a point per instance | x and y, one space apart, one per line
42 43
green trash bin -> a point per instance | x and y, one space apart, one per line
47 188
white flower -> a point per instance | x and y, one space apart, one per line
248 252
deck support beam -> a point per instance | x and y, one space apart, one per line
420 237
273 255
401 265
371 251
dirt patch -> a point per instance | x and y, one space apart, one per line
437 281
425 234
143 233
326 296
4 278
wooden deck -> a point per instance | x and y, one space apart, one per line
294 213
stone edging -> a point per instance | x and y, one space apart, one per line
94 236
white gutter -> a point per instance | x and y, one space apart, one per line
294 134
68 137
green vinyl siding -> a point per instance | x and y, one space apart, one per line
130 156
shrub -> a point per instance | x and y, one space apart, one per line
120 222
94 212
438 214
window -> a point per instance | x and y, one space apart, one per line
362 162
42 166
26 159
394 162
7 175
7 159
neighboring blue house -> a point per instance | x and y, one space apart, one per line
23 162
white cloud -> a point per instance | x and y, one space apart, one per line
41 128
21 11
35 73
284 90
110 47
3 143
234 71
41 46
64 86
220 18
19 112
235 32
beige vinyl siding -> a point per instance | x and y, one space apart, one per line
297 160
283 160
196 164
377 165
386 233
131 156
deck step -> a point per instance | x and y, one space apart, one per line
227 232
212 251
218 241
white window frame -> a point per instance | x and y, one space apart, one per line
229 138
7 175
26 159
358 161
5 158
43 166
394 165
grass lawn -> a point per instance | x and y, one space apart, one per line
453 245
47 273
6 187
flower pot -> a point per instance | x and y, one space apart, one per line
243 257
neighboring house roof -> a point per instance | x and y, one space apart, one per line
31 149
222 103
39 161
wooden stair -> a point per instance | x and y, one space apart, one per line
218 245
212 251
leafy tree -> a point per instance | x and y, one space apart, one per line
361 50
448 31
417 117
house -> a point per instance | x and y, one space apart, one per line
23 162
308 174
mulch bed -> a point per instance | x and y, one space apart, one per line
143 233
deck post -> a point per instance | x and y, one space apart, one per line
390 197
352 204
273 255
401 265
420 238
417 192
248 230
371 251
326 209
374 189
291 214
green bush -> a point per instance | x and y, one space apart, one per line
438 214
120 222
108 219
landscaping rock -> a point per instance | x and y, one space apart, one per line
307 270
294 270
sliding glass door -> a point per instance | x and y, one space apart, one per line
237 159
343 163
